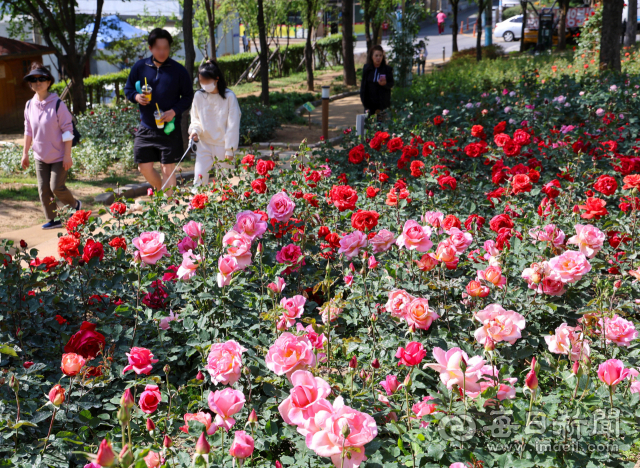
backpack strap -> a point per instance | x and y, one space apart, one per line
58 105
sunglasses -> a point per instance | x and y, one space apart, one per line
35 79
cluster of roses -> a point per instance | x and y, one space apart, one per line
68 246
83 346
331 430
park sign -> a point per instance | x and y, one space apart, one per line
308 106
575 17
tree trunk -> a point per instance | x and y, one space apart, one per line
189 60
454 32
523 4
308 61
264 54
481 6
611 34
78 96
376 32
562 30
210 6
632 23
348 59
367 25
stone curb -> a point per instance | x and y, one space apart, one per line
134 190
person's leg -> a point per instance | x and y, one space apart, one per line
145 154
150 174
168 177
170 147
204 162
59 187
43 174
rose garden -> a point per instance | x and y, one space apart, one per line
458 287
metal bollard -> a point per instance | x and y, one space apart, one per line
442 54
325 112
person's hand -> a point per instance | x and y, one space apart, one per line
142 99
25 161
167 116
67 162
382 81
193 136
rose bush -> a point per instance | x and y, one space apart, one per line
353 309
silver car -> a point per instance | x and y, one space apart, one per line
509 29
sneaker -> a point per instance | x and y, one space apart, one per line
78 205
54 224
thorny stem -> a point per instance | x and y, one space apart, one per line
135 326
46 441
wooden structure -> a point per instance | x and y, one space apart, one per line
15 61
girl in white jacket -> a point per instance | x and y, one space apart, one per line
215 121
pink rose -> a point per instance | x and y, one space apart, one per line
619 331
424 408
187 244
458 465
290 254
390 384
415 237
351 244
193 230
434 218
329 441
151 247
242 445
277 286
418 315
280 207
165 321
448 365
460 240
224 362
294 308
330 311
227 266
348 280
490 248
493 275
290 353
612 372
239 246
250 224
570 266
317 341
306 398
202 418
372 263
189 265
152 460
140 361
412 355
447 254
397 302
561 342
549 233
382 241
225 403
498 324
150 399
589 239
541 278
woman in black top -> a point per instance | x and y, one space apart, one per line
377 81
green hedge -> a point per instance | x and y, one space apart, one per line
95 81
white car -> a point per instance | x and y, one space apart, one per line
510 29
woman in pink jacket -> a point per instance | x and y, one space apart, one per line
48 126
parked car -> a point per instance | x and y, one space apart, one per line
509 29
510 3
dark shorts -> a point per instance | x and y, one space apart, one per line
151 145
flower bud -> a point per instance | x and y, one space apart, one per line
259 249
617 284
489 345
200 376
150 425
126 457
374 317
149 192
531 380
253 417
278 464
13 383
167 442
246 371
56 395
166 369
375 363
23 243
127 400
576 367
346 430
353 362
105 455
407 381
202 446
124 415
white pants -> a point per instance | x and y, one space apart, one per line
205 157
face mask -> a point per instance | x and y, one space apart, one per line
209 87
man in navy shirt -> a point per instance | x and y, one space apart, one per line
171 92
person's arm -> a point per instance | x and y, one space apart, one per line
130 86
65 122
28 137
232 135
390 82
186 93
195 127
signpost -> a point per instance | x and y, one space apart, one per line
309 108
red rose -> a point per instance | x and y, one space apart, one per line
606 185
118 208
375 143
259 186
50 263
409 152
451 221
437 120
547 205
615 238
68 247
412 355
261 167
627 203
521 184
500 128
91 250
263 216
199 201
501 139
87 342
323 232
511 148
504 235
521 137
473 150
372 192
534 176
550 189
333 239
447 182
364 220
150 399
118 243
248 161
156 298
343 197
383 177
60 319
477 131
474 219
427 148
631 181
416 168
356 155
595 208
395 144
27 364
497 194
79 218
499 177
500 221
171 274
311 199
